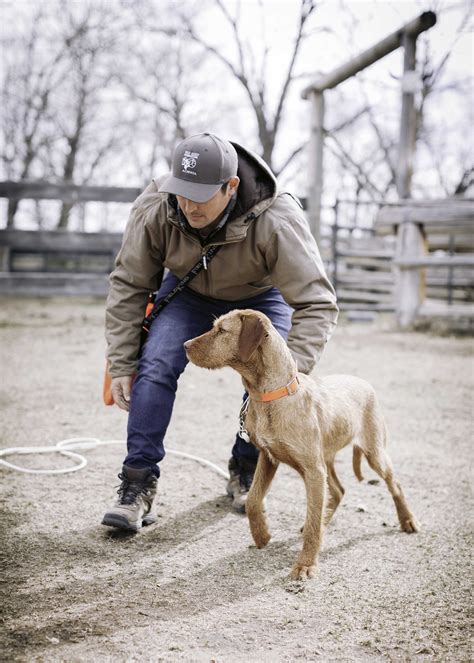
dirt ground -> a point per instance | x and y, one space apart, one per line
193 587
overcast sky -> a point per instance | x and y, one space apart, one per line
343 29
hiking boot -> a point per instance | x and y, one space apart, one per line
134 505
241 476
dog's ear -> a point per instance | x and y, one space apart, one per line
251 335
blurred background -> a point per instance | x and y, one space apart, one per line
95 94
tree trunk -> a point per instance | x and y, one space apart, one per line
64 216
12 210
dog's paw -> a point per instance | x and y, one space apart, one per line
261 539
302 572
410 525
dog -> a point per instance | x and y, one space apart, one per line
294 419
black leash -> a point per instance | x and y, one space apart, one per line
198 267
202 263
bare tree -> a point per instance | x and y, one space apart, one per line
252 78
28 84
373 167
161 97
58 122
92 72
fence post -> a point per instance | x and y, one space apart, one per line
315 166
409 283
335 256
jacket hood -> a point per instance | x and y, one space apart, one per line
258 185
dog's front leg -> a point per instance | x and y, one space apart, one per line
264 473
315 484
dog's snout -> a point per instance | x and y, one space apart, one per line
187 344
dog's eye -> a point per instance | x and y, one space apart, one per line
222 331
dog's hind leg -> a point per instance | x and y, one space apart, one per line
336 492
315 483
380 462
264 473
374 443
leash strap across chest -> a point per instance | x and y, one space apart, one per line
202 263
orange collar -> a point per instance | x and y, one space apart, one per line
288 390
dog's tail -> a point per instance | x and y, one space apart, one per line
357 455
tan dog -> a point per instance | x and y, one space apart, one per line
298 421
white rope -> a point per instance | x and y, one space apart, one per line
84 443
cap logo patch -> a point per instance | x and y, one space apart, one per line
189 162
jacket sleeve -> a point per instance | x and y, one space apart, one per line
297 270
138 271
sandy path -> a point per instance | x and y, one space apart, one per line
193 587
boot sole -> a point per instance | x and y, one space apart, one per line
114 520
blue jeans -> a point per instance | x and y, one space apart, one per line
164 359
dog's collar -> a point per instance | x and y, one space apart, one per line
288 390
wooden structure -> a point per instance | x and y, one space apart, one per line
406 37
372 269
67 192
358 262
434 257
41 263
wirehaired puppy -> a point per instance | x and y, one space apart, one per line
294 419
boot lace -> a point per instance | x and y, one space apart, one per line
128 491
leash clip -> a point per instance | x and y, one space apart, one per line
243 432
292 392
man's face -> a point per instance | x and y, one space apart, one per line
200 215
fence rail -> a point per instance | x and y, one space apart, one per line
372 268
41 263
67 193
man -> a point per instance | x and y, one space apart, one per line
218 194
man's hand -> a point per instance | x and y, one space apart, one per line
120 388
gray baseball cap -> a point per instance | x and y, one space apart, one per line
201 165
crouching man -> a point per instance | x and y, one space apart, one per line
218 194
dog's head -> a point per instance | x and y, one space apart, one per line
232 341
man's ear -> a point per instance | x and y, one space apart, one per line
251 335
233 185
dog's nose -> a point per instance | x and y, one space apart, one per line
187 344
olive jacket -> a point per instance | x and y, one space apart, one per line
266 242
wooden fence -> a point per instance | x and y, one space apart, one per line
42 263
377 268
374 265
434 257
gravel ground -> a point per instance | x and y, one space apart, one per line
193 587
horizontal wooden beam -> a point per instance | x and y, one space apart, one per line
371 55
366 306
378 254
55 241
435 261
455 215
38 284
67 193
438 309
363 296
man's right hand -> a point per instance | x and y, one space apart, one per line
121 388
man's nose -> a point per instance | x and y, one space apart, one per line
191 206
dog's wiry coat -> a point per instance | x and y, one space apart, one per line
304 430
